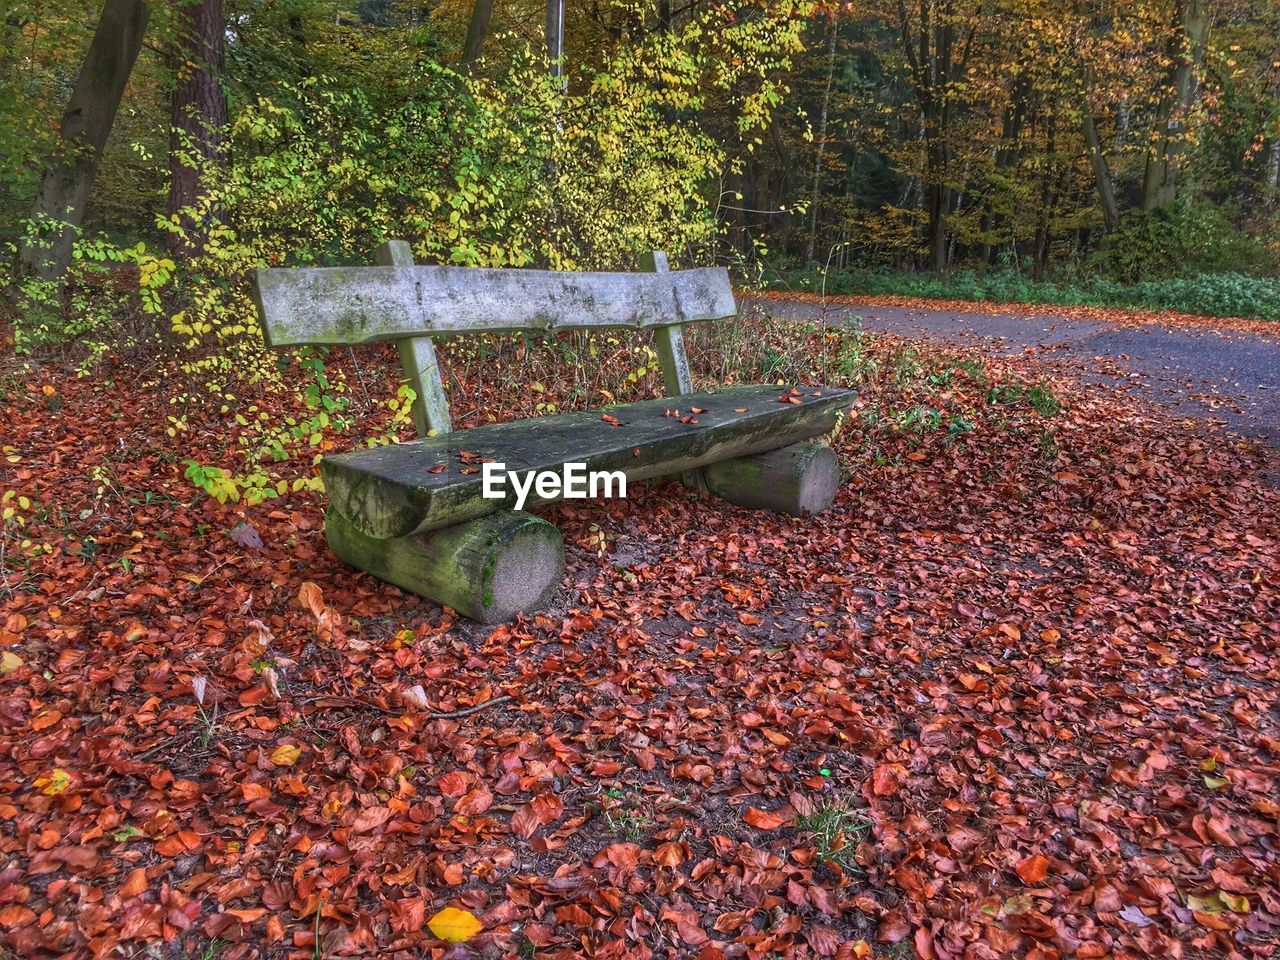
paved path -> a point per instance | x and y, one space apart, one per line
1226 376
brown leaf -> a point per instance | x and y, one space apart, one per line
762 820
312 599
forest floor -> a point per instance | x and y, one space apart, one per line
1015 694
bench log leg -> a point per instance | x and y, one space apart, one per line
800 479
488 569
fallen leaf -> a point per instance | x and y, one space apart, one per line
1032 869
312 599
763 820
455 926
286 755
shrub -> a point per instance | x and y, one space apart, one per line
1184 238
1210 295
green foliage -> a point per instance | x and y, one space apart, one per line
498 171
1210 295
96 306
834 829
1181 240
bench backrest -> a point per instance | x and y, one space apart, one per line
400 301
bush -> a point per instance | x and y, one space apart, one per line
1210 295
1187 238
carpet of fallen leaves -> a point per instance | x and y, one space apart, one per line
1016 694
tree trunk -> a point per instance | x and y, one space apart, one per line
477 33
1044 219
938 196
199 114
937 58
822 142
64 187
1101 172
1164 160
1006 153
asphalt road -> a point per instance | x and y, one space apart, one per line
1229 377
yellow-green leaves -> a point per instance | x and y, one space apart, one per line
53 783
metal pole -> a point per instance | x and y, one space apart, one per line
555 38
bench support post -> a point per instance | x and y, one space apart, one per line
800 479
418 358
677 379
487 569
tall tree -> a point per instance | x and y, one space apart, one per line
477 32
64 187
815 195
937 38
1101 169
199 114
1187 42
555 38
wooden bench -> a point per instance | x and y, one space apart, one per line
413 514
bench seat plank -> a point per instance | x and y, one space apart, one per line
390 491
353 305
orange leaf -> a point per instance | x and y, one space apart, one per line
16 916
135 884
884 780
453 784
1032 869
254 791
48 718
251 915
312 599
763 820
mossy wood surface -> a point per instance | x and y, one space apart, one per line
800 479
390 491
488 569
352 305
418 359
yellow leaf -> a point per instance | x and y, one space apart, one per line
286 755
10 662
454 925
1237 902
53 784
1210 904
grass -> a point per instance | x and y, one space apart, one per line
624 818
1208 294
834 830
